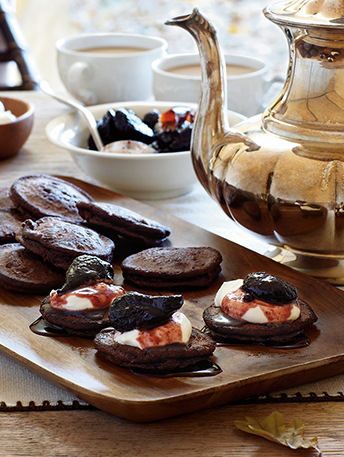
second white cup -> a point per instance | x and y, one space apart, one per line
177 77
108 67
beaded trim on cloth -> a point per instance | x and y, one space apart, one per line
297 398
282 398
45 406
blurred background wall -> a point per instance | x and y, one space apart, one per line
241 25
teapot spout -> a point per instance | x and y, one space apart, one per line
211 128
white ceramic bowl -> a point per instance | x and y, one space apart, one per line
142 176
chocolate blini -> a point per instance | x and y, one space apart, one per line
60 242
5 199
25 273
173 267
10 222
260 309
40 195
124 222
81 306
199 347
150 333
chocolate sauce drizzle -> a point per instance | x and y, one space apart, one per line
42 327
200 369
293 341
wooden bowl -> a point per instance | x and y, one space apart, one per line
13 134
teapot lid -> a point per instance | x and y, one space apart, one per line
307 13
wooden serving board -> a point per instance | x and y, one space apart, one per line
72 363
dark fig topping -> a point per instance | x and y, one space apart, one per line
268 288
138 311
165 132
85 270
248 297
130 127
151 118
173 140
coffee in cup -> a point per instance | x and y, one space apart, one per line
108 67
177 77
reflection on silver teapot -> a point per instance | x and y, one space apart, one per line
280 175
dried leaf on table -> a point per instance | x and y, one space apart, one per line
273 429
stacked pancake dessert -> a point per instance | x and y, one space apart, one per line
81 306
150 333
260 308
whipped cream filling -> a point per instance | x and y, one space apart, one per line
129 147
230 299
6 115
177 330
226 288
97 296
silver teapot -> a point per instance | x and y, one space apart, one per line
280 175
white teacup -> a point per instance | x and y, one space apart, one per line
178 77
108 67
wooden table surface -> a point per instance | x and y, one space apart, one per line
91 432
